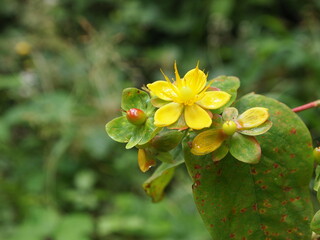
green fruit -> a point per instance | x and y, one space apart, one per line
229 127
316 154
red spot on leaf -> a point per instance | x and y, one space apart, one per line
267 204
289 230
255 207
234 210
264 187
287 189
197 166
275 165
283 218
278 113
211 225
224 220
293 131
250 231
267 171
262 211
281 175
293 170
276 150
292 155
284 202
243 238
253 171
259 181
263 227
196 184
197 176
306 218
243 210
294 199
232 235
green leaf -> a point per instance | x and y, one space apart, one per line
120 130
258 130
228 84
315 223
135 98
230 113
149 131
245 148
317 179
164 157
270 199
136 137
155 185
220 153
167 140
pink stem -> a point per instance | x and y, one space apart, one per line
307 106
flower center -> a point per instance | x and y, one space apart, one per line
186 94
229 127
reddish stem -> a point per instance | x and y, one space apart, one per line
307 106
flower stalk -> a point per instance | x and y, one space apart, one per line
307 106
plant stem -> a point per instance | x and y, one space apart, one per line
307 106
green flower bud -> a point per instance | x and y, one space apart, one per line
229 127
136 116
316 154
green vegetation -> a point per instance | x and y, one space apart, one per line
63 65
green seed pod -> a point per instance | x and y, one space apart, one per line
316 154
136 116
229 127
166 140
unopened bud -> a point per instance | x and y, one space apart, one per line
229 127
136 116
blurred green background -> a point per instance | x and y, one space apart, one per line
63 65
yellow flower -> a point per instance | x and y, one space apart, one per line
238 129
23 48
187 97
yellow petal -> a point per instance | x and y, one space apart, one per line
196 117
253 117
214 99
168 114
196 80
163 90
207 142
145 163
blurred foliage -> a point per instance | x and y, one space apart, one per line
63 65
